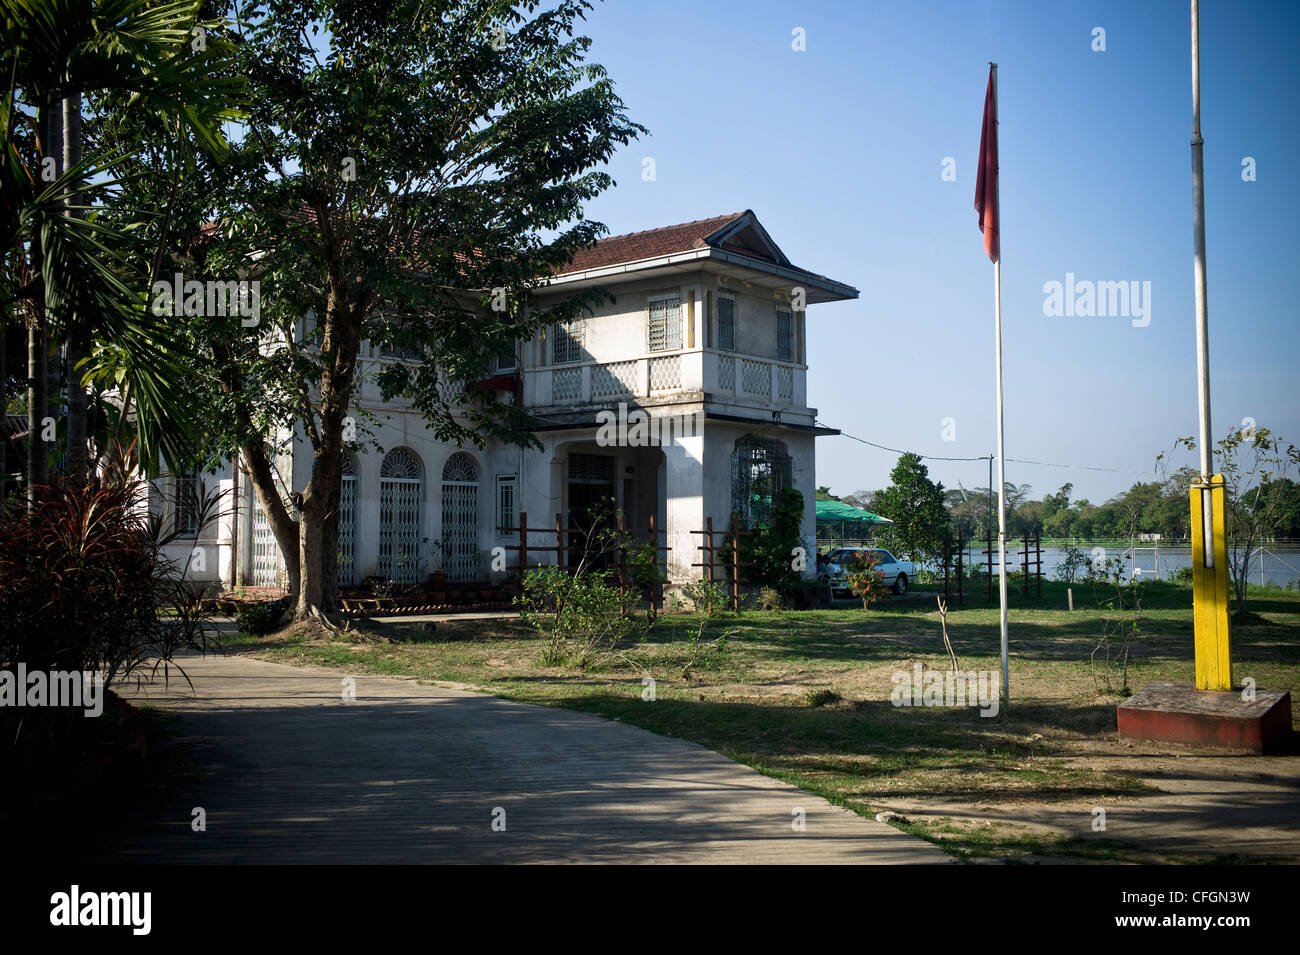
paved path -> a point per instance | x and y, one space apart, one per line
290 773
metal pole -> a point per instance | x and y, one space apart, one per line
1198 265
1002 480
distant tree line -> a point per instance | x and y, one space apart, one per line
1152 507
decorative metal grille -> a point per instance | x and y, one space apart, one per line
784 381
401 463
566 342
726 323
755 377
618 378
347 570
267 563
726 373
505 504
401 494
665 323
760 473
784 335
185 502
666 373
566 384
460 517
591 468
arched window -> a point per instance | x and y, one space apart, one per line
401 495
760 473
347 575
460 517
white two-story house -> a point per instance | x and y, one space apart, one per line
684 400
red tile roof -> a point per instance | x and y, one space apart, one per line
635 246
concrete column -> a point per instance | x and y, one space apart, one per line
684 499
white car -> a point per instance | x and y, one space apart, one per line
834 570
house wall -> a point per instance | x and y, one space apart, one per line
681 484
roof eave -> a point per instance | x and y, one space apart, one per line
834 291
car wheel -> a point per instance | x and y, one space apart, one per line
900 585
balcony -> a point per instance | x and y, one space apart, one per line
727 377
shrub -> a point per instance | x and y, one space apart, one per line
262 617
767 553
1073 567
864 580
708 600
768 598
85 585
579 614
1183 575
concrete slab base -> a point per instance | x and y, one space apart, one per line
1180 713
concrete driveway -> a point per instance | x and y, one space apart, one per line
289 772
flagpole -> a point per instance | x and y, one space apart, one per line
1198 271
1002 484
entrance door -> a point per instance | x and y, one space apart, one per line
460 518
591 505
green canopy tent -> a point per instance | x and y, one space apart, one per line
838 522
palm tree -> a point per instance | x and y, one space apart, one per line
69 267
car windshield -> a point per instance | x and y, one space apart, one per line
842 556
884 557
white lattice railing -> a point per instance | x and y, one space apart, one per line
450 391
616 378
566 384
666 374
755 377
727 372
784 381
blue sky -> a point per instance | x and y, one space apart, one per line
839 151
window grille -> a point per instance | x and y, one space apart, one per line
347 570
784 335
566 342
591 468
460 517
726 323
185 503
665 323
506 484
401 499
760 473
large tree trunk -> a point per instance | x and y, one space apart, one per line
319 524
73 348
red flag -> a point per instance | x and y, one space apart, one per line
986 180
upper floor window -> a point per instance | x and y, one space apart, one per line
726 323
185 503
507 358
506 484
566 342
784 335
665 323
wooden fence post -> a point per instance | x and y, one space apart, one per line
654 540
961 572
523 542
735 566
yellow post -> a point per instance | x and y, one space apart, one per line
1210 590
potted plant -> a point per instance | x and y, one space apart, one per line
437 552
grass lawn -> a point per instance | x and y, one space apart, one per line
805 697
